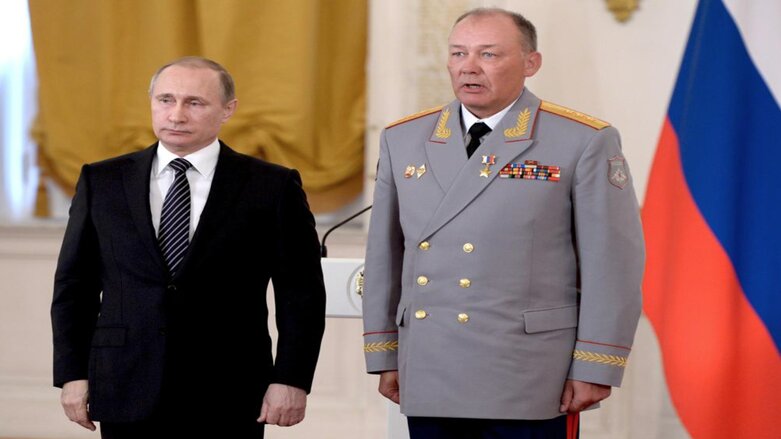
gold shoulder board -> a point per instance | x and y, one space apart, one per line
577 116
415 116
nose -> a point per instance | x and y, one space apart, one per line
470 64
177 114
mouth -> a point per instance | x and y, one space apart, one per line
472 86
175 132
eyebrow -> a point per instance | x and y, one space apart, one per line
463 46
185 98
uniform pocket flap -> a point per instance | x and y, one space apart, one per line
109 336
551 319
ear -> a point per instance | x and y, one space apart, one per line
228 109
533 64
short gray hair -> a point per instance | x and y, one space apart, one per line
226 80
527 29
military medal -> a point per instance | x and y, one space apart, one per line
531 170
410 171
421 170
488 161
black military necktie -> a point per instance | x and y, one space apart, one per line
476 132
174 234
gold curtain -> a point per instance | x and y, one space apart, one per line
299 67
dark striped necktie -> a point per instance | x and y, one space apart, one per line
174 234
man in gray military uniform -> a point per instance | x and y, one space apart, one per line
505 251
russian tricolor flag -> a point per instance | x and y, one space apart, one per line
712 219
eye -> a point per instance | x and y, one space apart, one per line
457 54
488 55
165 99
195 103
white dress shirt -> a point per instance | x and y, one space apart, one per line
199 176
470 119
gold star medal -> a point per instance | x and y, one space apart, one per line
488 161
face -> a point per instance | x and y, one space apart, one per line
488 63
188 109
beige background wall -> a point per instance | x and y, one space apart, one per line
622 73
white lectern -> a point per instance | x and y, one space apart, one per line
344 288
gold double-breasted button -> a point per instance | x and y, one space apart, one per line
469 247
424 245
463 317
421 314
422 280
464 283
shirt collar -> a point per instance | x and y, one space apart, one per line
204 160
492 121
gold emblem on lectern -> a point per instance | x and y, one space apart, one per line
359 284
622 9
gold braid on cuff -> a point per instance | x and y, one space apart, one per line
383 346
593 357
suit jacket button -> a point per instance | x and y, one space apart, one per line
469 247
171 287
463 317
424 245
422 280
464 283
420 314
161 331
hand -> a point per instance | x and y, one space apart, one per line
283 405
74 400
389 385
579 395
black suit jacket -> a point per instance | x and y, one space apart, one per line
197 342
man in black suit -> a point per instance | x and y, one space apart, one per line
159 312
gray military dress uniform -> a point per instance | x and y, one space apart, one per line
491 280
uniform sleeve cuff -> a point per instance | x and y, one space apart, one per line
598 363
381 350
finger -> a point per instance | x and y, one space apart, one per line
75 413
263 412
74 408
299 416
272 417
286 419
566 397
71 410
388 393
89 425
81 417
579 401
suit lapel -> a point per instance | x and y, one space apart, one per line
511 137
136 178
229 177
445 149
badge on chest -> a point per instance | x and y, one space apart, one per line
531 170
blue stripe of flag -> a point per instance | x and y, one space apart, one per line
729 129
